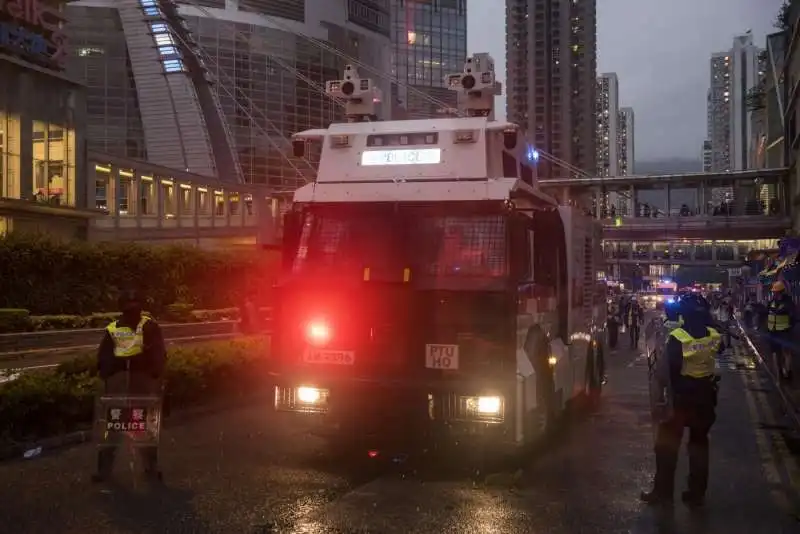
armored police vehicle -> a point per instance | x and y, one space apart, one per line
430 290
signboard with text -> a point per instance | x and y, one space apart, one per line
33 30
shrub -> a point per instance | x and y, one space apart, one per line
50 277
13 320
37 405
225 314
179 312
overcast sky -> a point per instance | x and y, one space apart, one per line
660 50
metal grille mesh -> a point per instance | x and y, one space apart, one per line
466 246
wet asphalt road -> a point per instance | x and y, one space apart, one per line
245 471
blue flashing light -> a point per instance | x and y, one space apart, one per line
533 155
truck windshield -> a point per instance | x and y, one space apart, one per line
432 246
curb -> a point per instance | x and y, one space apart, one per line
17 451
790 408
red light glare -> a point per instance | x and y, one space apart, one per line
373 454
318 332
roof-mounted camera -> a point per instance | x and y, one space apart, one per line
476 85
360 95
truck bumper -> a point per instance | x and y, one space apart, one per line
387 416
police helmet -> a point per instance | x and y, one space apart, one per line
693 303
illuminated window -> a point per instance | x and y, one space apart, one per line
158 27
173 65
146 196
90 51
168 200
101 182
150 8
412 38
163 39
167 51
9 155
53 164
202 201
186 200
125 188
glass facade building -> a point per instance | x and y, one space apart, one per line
429 40
257 59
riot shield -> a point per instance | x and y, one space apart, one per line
656 333
129 408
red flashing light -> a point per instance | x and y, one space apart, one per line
373 454
318 332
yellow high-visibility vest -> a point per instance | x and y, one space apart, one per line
778 318
127 342
699 355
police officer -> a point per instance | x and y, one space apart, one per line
613 325
635 318
781 317
133 344
687 374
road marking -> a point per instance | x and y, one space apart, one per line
790 465
769 460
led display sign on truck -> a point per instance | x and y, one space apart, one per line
420 156
33 30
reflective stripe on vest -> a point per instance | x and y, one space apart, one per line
127 343
778 318
699 355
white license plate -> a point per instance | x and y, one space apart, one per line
441 356
335 357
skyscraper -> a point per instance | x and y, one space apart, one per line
719 112
733 74
551 51
429 41
626 155
607 125
745 74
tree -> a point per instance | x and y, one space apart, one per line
783 21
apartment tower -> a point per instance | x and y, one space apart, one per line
733 74
607 124
626 156
551 79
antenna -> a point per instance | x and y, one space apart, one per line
359 94
476 86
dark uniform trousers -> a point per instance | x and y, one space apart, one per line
695 410
130 384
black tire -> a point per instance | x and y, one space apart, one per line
537 349
594 373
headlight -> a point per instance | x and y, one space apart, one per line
308 395
302 399
489 405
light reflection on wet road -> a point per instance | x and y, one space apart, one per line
242 471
